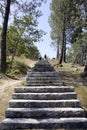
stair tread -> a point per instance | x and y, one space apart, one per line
45 96
51 123
64 93
48 121
45 87
39 113
23 100
45 109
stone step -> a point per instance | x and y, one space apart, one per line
44 89
39 113
23 123
43 69
47 66
43 103
43 83
43 78
43 66
43 74
44 96
50 73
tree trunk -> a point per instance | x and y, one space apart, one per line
84 74
57 50
85 69
14 52
3 38
64 49
63 44
62 53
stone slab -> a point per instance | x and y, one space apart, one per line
39 113
43 103
23 123
44 89
45 96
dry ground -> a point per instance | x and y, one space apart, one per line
6 90
70 75
7 86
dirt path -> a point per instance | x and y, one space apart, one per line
6 89
5 83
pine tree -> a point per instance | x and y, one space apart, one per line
3 39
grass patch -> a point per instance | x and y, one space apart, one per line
82 95
23 83
70 75
4 98
2 75
19 69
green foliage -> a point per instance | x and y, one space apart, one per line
31 52
70 55
69 16
23 28
60 22
18 69
22 35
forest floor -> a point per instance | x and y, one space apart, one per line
70 75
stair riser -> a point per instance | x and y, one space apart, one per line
43 81
43 90
54 125
43 104
43 114
43 78
43 75
44 96
43 69
43 84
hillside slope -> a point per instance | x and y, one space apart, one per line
70 75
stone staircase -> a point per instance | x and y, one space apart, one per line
43 74
45 105
43 79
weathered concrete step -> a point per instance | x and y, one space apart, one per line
23 123
43 69
43 84
43 66
43 74
44 112
43 81
43 103
44 89
45 96
43 78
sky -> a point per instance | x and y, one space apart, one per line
45 46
